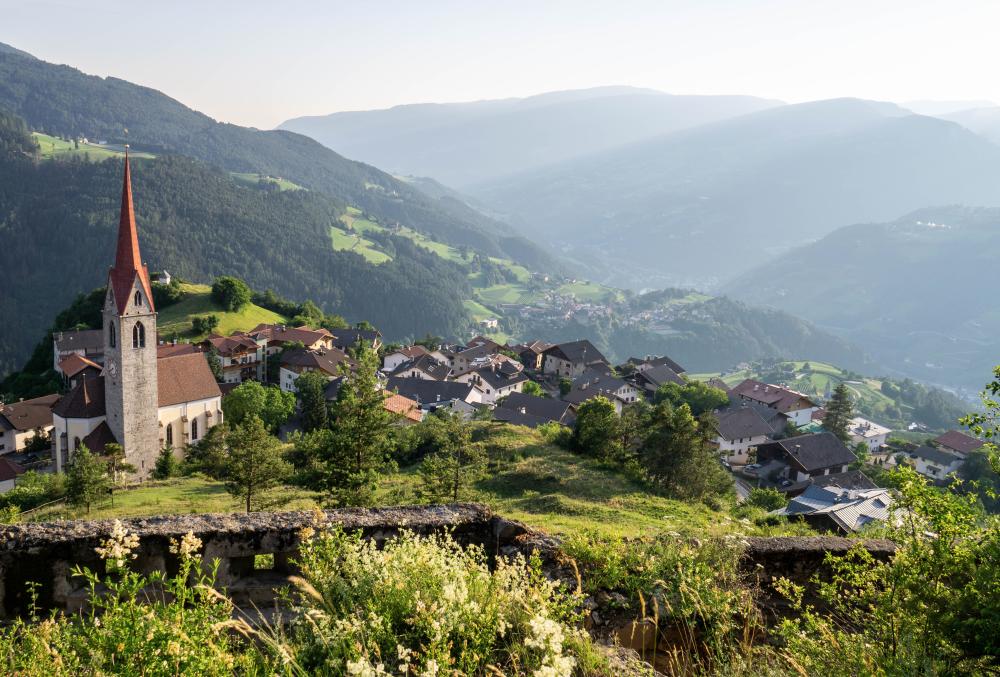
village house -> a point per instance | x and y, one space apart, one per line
74 368
799 458
277 335
406 412
294 363
649 380
393 359
531 353
570 360
242 356
533 411
471 356
463 398
423 367
739 431
933 462
9 472
871 434
345 339
652 361
497 379
835 509
88 343
22 421
595 382
796 407
957 443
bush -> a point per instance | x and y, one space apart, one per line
166 465
767 499
205 324
426 603
231 293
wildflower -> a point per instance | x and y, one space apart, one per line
430 669
187 547
117 549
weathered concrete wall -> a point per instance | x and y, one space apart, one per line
47 553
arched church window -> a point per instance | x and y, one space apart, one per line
138 299
194 430
111 335
138 336
170 435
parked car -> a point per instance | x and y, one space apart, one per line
751 469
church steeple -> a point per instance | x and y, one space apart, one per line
128 261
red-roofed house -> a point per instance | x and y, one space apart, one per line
796 407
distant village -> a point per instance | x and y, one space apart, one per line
126 385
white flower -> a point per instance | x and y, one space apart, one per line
188 546
430 669
119 546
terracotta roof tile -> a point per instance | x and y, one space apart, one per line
185 378
30 414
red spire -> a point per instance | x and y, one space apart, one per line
128 261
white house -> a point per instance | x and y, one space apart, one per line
795 406
933 462
393 360
872 434
740 430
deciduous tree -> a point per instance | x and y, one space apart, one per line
255 463
86 479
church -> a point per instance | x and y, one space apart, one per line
147 396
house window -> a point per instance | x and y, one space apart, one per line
138 299
111 335
194 429
138 336
170 435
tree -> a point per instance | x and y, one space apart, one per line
565 386
205 324
210 454
214 363
39 442
360 441
270 404
166 464
231 293
311 393
679 457
597 430
255 463
118 468
839 412
533 388
700 397
455 463
86 479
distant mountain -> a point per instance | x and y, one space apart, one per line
701 205
918 292
940 108
984 121
63 101
58 226
464 143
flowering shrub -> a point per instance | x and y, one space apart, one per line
134 624
425 606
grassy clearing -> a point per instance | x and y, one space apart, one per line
51 147
359 245
252 179
198 303
174 497
559 492
589 292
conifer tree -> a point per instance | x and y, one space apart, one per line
456 463
255 463
678 455
839 412
311 392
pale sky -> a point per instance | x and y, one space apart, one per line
259 63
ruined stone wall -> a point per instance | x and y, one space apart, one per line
46 553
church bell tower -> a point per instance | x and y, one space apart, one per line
130 384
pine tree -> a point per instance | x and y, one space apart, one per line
456 463
597 430
357 451
679 457
86 479
311 392
166 464
839 412
255 463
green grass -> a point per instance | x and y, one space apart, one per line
343 241
561 493
252 179
198 303
51 147
174 497
589 292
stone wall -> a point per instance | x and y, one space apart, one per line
47 553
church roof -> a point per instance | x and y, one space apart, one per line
99 438
128 262
185 378
86 400
74 364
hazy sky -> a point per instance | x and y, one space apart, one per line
259 63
